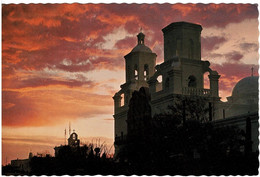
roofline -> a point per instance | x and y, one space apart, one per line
183 24
131 53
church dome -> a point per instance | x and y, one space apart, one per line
140 47
246 86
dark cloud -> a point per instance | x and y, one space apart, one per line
218 15
212 42
233 56
249 47
37 82
214 55
45 34
44 80
239 70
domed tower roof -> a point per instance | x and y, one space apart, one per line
140 47
246 86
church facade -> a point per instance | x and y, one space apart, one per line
181 73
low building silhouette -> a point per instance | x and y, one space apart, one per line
72 149
22 165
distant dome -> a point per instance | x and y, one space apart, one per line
245 87
141 48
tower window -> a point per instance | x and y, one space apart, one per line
136 73
159 83
145 75
146 72
206 82
123 100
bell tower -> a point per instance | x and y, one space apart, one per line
139 67
140 62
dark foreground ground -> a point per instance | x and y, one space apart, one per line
234 165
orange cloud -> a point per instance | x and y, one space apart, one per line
185 9
44 43
39 107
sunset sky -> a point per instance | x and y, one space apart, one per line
63 63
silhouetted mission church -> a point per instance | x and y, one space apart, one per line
181 73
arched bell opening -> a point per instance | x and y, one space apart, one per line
146 72
136 72
159 83
206 81
122 99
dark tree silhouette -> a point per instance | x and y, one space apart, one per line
190 107
183 141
